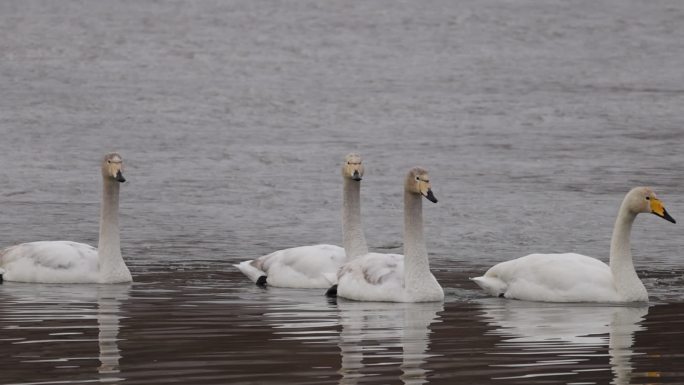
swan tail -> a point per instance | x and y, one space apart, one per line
491 285
261 281
252 272
332 292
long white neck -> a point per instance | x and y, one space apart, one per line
416 265
354 241
625 279
112 266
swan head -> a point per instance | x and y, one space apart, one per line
352 167
418 182
644 200
112 167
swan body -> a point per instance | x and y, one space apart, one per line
552 278
316 266
578 278
72 262
380 277
301 267
394 277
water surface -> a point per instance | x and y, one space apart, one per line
534 119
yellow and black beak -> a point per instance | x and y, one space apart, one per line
658 209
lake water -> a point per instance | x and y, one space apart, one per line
533 118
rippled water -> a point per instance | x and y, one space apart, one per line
534 119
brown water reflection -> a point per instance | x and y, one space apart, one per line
201 327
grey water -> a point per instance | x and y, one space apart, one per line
534 119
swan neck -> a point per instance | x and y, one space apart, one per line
109 216
620 248
353 239
625 278
416 265
112 266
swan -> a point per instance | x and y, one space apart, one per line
394 277
315 266
72 262
577 278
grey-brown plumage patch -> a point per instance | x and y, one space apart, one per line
379 279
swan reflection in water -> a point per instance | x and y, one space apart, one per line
39 304
109 298
375 337
573 330
372 329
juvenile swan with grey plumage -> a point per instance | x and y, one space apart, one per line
574 277
394 277
71 262
316 266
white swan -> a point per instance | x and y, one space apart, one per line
71 262
393 277
578 278
316 266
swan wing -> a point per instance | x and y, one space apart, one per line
50 262
299 267
373 277
565 277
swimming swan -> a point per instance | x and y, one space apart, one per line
71 262
394 277
578 278
316 266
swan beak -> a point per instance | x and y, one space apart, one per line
430 196
120 177
356 176
658 209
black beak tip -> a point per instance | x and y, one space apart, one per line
669 218
431 197
666 216
120 177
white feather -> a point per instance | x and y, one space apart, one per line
50 262
394 277
551 277
72 262
298 267
316 266
575 277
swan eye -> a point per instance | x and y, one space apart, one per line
417 178
109 161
